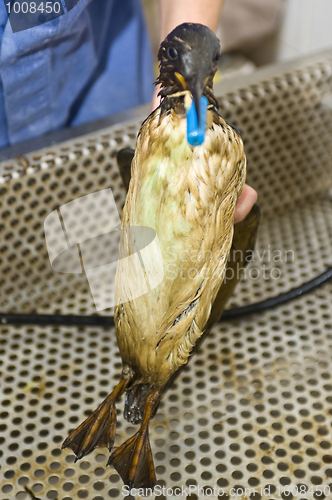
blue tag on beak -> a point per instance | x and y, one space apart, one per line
195 131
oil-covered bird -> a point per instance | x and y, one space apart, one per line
187 194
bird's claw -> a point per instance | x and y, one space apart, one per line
97 430
133 461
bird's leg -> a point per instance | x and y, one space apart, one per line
98 429
133 459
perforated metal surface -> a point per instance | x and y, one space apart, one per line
253 407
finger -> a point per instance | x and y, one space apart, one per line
247 199
155 98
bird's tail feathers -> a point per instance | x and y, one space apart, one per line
136 399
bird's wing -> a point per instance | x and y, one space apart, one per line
243 245
124 158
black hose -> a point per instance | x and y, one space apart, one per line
55 320
294 293
108 321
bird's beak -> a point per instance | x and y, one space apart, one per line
196 89
196 113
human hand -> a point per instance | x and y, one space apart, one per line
246 200
155 98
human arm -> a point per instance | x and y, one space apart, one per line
175 12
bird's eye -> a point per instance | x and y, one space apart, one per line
217 56
172 53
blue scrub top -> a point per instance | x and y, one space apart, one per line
92 61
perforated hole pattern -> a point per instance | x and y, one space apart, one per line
253 407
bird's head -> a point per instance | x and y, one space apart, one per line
188 60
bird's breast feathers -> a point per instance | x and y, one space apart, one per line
188 195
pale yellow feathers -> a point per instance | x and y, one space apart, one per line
188 195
